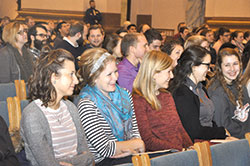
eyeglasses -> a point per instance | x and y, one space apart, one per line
42 35
22 32
207 64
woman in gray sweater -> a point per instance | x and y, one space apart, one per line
50 126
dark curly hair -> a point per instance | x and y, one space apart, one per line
192 56
39 84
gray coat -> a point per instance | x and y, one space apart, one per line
36 134
13 66
225 110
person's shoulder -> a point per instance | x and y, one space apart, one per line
31 107
123 65
62 44
69 104
139 100
88 10
182 90
4 51
215 88
31 111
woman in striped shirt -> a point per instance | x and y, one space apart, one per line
50 126
106 110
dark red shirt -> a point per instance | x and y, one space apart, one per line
160 129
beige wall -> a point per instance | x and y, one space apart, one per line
107 6
8 8
227 8
165 13
76 5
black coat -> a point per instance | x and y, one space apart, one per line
188 107
7 154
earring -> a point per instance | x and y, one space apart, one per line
54 82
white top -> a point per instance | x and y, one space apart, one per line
63 131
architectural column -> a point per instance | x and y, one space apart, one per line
124 8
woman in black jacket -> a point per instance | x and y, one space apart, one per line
193 105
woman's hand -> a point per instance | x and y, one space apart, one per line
140 146
232 138
124 153
129 147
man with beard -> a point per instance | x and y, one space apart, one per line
37 38
70 43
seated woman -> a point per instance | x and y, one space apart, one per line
174 49
50 126
112 44
158 121
195 109
229 96
16 61
7 153
106 110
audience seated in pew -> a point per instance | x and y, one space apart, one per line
106 110
158 121
194 107
230 98
49 115
15 59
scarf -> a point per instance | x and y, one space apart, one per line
117 110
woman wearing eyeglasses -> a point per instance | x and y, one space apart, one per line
15 59
194 107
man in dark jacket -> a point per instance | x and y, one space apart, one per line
92 15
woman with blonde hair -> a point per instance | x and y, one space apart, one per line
16 62
197 40
50 126
158 121
106 110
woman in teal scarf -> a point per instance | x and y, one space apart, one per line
106 110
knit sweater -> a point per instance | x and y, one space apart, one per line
36 134
160 129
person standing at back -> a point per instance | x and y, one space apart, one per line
92 15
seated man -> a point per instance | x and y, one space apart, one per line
70 43
95 37
223 37
154 39
133 46
37 38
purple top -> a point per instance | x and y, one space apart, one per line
127 73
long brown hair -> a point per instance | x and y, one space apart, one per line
220 77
